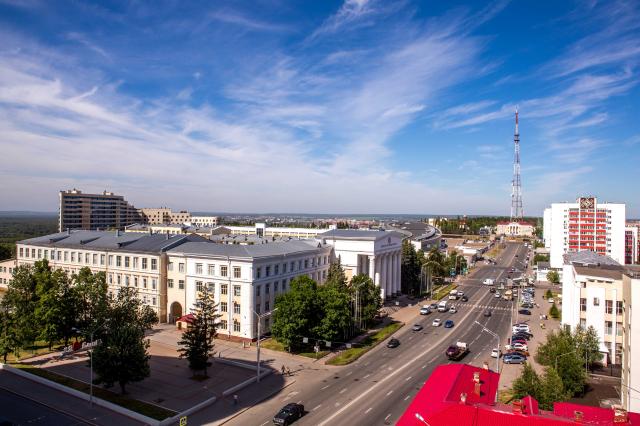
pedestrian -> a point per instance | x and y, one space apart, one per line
235 399
282 370
288 371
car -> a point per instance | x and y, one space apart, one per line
453 310
289 414
425 310
393 343
433 306
524 312
520 346
492 290
518 340
416 327
487 312
521 327
436 322
464 299
448 324
518 336
460 293
550 300
513 358
527 305
517 352
498 295
495 353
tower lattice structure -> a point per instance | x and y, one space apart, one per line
517 211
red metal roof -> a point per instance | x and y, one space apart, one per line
186 318
439 404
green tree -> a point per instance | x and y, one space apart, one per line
552 389
336 317
410 269
9 338
528 383
560 349
336 276
588 344
548 294
197 341
553 277
91 300
21 301
554 312
369 297
49 308
297 313
122 356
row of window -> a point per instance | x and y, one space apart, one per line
119 261
608 307
6 269
127 280
211 270
301 264
224 325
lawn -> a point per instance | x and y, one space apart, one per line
443 291
38 348
149 410
350 355
274 345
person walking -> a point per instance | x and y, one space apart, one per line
282 370
235 399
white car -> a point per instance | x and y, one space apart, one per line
460 293
495 353
497 295
550 300
425 310
436 322
453 310
521 347
521 327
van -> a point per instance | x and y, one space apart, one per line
488 281
442 306
453 295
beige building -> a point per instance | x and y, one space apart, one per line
6 272
262 230
209 221
515 229
94 211
173 229
164 215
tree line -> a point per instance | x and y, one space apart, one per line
42 304
436 263
16 228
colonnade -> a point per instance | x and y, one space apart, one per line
384 269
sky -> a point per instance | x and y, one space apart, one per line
353 106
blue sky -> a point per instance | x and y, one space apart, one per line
327 106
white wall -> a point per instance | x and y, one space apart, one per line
546 227
570 297
618 223
632 400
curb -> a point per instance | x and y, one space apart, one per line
269 395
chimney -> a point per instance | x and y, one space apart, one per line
476 383
516 407
578 416
463 398
619 414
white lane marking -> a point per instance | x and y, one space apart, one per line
383 366
366 376
433 359
343 390
423 367
294 393
349 373
390 392
325 387
265 423
407 397
387 418
366 363
316 407
337 404
407 379
368 409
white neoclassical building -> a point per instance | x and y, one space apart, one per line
375 253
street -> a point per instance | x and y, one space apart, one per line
379 386
20 410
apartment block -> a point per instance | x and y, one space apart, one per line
209 221
163 216
78 210
631 244
6 272
584 225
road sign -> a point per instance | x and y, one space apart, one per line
183 421
452 272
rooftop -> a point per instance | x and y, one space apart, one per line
277 248
589 258
356 234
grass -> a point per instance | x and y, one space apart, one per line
38 348
505 396
350 355
443 291
274 345
149 410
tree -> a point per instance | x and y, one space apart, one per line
560 350
336 276
368 296
410 269
9 338
553 277
548 294
197 341
122 356
554 312
297 313
91 299
528 383
552 389
21 300
335 320
588 344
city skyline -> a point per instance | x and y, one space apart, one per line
356 106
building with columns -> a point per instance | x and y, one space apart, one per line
375 253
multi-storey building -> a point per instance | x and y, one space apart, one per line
6 272
209 221
128 260
584 225
163 216
244 279
262 230
631 244
515 229
94 211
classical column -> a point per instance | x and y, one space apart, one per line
399 273
376 281
383 275
372 267
394 260
391 283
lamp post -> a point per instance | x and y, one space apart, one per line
420 418
266 314
91 365
560 356
497 340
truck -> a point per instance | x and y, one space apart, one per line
488 281
453 295
442 306
457 351
508 295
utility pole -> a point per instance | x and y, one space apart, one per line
516 185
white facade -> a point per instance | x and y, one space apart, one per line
630 384
262 230
375 253
209 221
584 225
515 229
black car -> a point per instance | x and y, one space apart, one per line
289 414
464 299
521 336
434 306
487 313
524 312
393 343
492 290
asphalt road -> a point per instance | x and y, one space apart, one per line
21 410
379 386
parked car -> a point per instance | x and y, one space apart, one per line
433 306
416 327
487 312
514 358
425 310
519 340
492 290
448 324
453 310
498 295
524 312
460 293
289 414
518 336
393 343
436 322
464 299
550 300
521 327
520 346
495 353
528 305
518 352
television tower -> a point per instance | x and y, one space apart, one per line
516 186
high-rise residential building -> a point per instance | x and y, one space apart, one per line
78 210
584 225
631 244
164 216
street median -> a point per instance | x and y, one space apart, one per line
350 355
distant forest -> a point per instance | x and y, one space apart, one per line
16 228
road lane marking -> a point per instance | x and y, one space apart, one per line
343 390
407 397
337 404
390 392
325 387
366 376
316 407
387 418
265 423
349 373
407 379
368 409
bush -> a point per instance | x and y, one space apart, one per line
548 294
554 312
553 277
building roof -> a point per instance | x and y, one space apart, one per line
277 248
544 265
357 234
600 272
516 222
417 230
111 240
586 257
439 403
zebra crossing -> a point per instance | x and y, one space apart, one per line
478 306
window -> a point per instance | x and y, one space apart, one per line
267 288
619 329
135 281
236 272
608 306
267 271
110 278
154 283
199 268
21 252
223 270
257 291
293 266
102 256
275 287
180 267
59 254
212 269
223 288
236 308
236 290
73 256
118 279
266 306
258 272
118 260
276 270
126 261
299 264
596 301
306 263
619 309
223 306
284 268
170 283
223 325
126 280
144 263
608 328
170 266
95 259
87 257
144 283
33 254
135 263
153 301
46 254
154 264
212 287
181 284
199 286
236 326
258 308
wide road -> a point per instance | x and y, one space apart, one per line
20 410
379 386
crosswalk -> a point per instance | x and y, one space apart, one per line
478 306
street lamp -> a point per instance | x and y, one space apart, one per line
91 365
266 314
497 340
419 417
561 355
